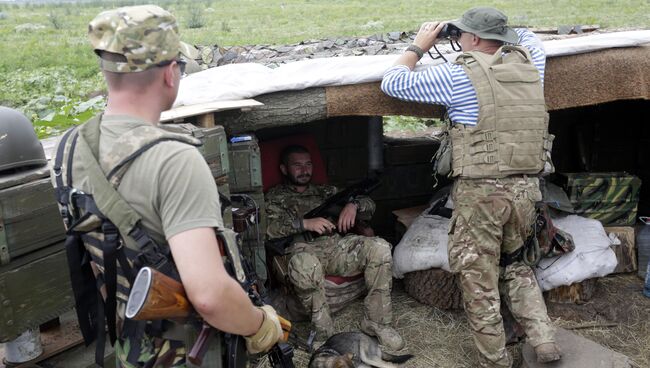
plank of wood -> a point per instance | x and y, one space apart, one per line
181 112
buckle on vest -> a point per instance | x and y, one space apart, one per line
490 159
489 136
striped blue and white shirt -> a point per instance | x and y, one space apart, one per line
448 84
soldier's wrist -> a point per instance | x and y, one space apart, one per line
417 50
298 224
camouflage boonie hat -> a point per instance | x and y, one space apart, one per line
145 35
488 23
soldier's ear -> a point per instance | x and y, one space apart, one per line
283 169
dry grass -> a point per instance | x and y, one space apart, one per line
441 339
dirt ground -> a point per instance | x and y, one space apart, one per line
618 317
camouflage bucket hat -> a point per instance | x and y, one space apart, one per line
488 23
145 35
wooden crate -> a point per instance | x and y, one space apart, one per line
626 251
29 215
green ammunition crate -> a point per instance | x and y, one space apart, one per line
611 197
29 215
245 160
214 148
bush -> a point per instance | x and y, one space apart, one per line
196 18
409 123
56 20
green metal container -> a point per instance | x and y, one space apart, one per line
611 197
245 159
29 215
214 148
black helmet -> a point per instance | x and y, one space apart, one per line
19 145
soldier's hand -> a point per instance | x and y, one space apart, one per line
318 225
427 35
347 217
269 334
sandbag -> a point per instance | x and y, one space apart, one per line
423 246
592 256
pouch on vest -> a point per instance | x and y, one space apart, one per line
442 158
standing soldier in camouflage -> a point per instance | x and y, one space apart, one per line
330 253
499 143
167 187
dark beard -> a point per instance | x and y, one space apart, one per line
297 182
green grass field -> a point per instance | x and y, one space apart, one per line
48 70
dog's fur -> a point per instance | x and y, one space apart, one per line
354 349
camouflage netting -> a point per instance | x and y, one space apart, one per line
571 81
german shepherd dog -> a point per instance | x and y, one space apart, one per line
354 350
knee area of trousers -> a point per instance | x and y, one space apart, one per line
381 250
305 271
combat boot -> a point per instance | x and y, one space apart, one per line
386 335
547 352
323 325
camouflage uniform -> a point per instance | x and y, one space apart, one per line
147 37
494 216
330 254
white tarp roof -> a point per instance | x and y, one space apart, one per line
240 81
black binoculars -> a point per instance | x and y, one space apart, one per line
449 31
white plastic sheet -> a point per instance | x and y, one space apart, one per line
247 80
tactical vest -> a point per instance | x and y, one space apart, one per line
105 242
511 136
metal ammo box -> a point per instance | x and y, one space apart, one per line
247 167
215 152
611 197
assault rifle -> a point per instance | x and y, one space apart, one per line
331 207
155 296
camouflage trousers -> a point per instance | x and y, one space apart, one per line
343 256
494 216
155 353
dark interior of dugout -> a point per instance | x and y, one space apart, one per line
613 136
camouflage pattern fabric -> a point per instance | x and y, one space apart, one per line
145 35
492 216
285 207
611 198
343 256
330 254
155 352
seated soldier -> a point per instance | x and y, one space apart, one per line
329 253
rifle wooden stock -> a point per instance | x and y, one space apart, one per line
157 296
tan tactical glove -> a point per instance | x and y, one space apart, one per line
268 335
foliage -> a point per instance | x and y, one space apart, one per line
53 98
30 57
409 123
196 18
56 20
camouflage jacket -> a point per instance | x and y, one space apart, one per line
285 207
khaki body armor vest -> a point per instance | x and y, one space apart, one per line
511 136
